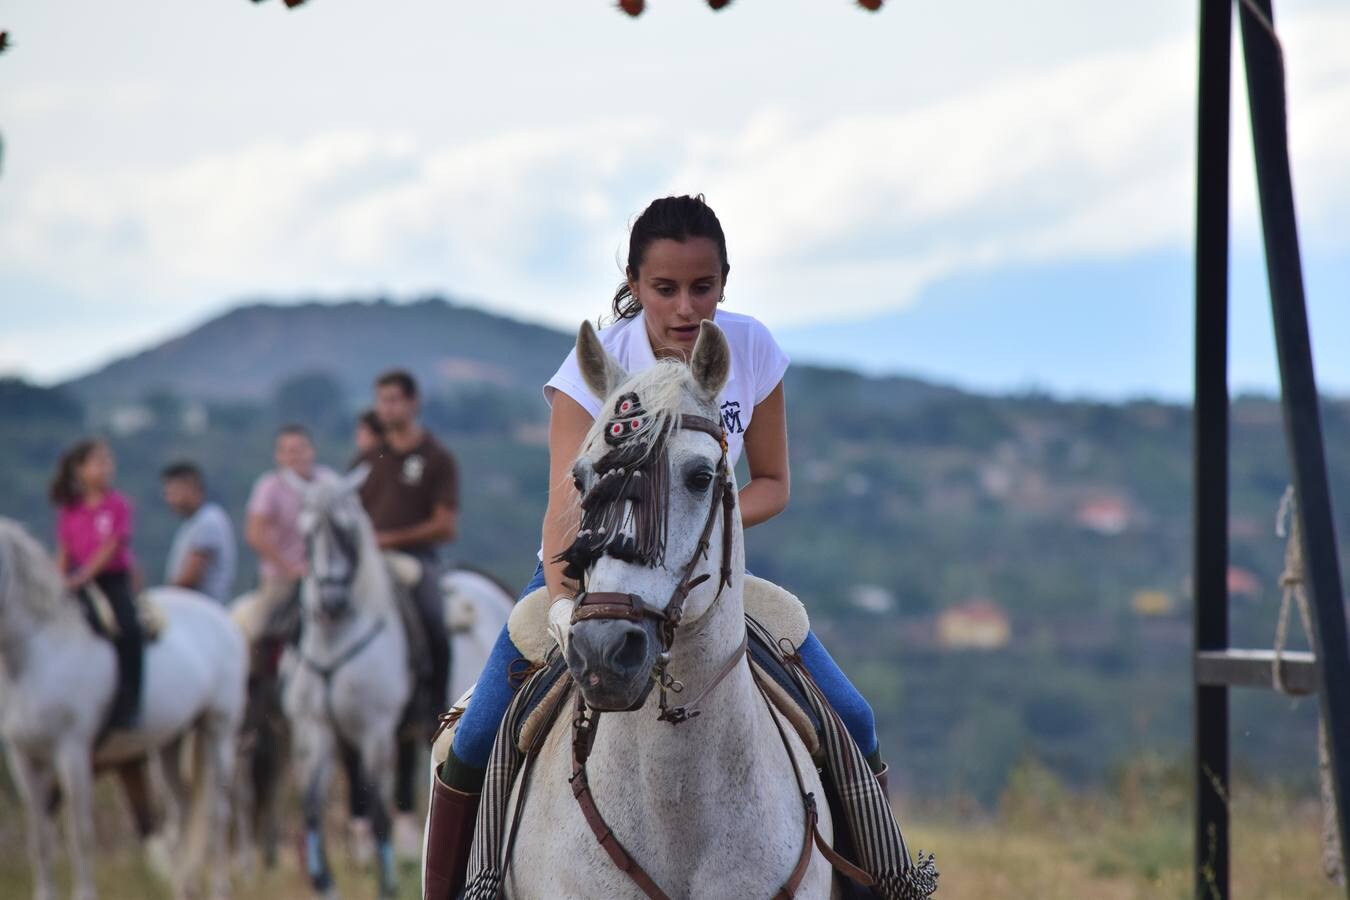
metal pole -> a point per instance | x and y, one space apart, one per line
1210 512
1302 419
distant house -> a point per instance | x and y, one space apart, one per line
1242 583
1152 603
128 419
976 624
1108 515
872 598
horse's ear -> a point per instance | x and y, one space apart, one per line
352 481
601 372
711 362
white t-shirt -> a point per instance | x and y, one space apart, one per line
757 366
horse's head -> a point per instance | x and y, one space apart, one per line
30 585
336 532
659 528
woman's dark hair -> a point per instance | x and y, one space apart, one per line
370 420
65 488
672 218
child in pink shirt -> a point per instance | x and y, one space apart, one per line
94 546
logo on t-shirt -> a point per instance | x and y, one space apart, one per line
731 417
413 467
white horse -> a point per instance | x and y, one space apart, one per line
476 609
349 679
710 807
57 680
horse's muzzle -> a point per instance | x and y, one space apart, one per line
611 661
335 600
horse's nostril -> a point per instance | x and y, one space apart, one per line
631 652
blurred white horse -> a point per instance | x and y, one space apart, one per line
476 609
349 680
57 680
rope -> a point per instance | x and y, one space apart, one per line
1291 580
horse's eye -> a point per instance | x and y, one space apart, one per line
699 481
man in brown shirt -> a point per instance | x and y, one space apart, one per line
412 497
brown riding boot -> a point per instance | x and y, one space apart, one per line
450 822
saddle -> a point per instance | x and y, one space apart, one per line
777 611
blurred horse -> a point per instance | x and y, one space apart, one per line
349 680
57 680
476 609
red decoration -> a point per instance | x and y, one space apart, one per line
718 4
616 430
635 424
292 4
870 5
632 7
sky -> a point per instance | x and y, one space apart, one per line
994 195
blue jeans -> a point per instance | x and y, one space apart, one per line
478 728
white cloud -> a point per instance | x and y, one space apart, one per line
829 214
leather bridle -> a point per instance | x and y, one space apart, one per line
632 608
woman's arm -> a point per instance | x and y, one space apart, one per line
567 426
102 556
766 450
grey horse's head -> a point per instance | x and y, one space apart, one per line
337 535
647 490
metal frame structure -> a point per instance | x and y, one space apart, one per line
1217 667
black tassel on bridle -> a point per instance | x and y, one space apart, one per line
624 513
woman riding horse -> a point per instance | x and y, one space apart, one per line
676 276
94 548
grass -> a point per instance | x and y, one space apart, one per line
1043 841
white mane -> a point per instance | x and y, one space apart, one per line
27 574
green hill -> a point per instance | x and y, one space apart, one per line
243 354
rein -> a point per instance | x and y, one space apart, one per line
327 672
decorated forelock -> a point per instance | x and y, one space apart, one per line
624 512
